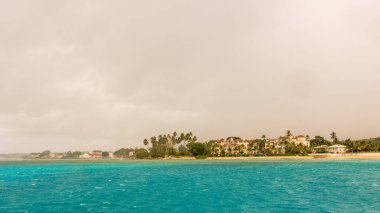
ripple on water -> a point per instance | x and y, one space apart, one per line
329 186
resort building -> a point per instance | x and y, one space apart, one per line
85 155
276 146
320 149
337 149
296 140
97 154
111 155
231 146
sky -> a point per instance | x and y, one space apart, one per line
84 75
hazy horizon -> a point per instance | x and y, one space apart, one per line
84 75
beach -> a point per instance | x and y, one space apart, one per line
316 156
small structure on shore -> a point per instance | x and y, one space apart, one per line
337 149
320 149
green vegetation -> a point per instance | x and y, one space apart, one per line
71 155
142 153
197 148
318 141
368 145
183 150
105 154
292 149
123 152
186 144
44 154
201 157
165 145
334 137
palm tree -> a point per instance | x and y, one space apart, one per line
263 137
288 133
146 142
334 137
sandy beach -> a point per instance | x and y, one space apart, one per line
324 156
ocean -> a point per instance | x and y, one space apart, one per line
318 185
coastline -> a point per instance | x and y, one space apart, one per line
188 158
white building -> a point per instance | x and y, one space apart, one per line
111 155
85 155
296 140
337 149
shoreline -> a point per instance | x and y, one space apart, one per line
187 158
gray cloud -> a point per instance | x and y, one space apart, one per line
95 74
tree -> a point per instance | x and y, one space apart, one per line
165 144
146 142
196 148
183 151
142 153
124 152
334 137
263 137
172 152
44 154
105 154
76 154
318 141
288 133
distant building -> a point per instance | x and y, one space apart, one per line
97 154
337 149
85 155
276 146
231 145
51 155
296 140
320 149
111 155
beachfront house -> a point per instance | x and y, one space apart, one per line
300 139
85 155
276 146
231 146
97 154
337 149
320 149
111 155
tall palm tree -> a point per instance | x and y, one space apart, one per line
146 142
334 137
263 137
288 133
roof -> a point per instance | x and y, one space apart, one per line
321 146
338 146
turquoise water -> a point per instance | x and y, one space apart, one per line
191 186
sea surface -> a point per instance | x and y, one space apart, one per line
318 185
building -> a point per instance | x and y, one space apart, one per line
231 146
320 149
85 155
276 146
97 154
111 155
337 149
296 140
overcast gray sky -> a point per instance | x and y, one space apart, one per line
82 75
